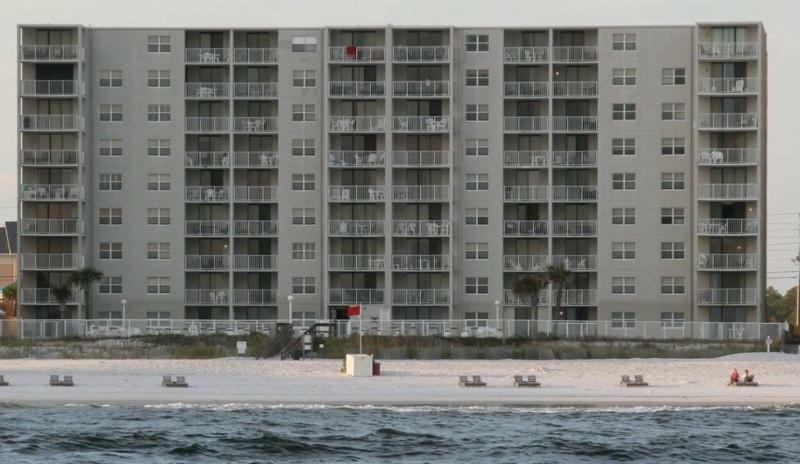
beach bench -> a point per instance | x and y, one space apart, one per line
746 384
55 381
520 382
3 382
638 381
179 382
464 381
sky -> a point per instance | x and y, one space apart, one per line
780 17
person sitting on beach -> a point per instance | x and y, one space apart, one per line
734 377
748 377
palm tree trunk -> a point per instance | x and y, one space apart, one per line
86 302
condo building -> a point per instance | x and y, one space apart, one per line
420 172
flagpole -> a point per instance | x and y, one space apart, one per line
360 330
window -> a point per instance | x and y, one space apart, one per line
159 113
304 44
158 44
477 147
477 78
109 147
110 113
623 181
476 285
673 181
623 146
109 285
623 111
303 216
623 320
476 216
158 216
626 216
623 76
675 146
672 216
673 285
623 42
673 76
476 319
110 250
477 250
674 320
158 250
110 181
109 314
303 113
109 216
159 147
477 112
304 147
477 182
673 111
304 250
158 315
304 78
477 43
158 182
623 285
672 250
303 182
110 78
623 250
158 285
158 78
304 285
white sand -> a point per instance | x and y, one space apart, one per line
580 382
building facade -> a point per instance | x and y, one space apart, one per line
238 173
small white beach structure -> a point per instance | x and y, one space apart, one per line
358 365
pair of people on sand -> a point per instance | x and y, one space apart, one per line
735 378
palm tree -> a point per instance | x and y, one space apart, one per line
84 278
61 294
530 286
10 295
559 276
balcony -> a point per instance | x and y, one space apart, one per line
575 54
418 89
728 121
575 89
574 158
44 296
356 193
207 194
356 228
526 124
255 55
206 262
420 159
50 122
194 228
727 191
206 55
255 228
254 297
66 52
579 193
356 159
424 296
207 159
727 296
525 193
344 124
728 86
255 262
435 263
50 261
574 124
207 90
420 228
725 227
255 90
727 50
727 156
525 263
511 298
255 159
49 88
255 124
357 89
355 295
525 158
576 263
51 158
206 296
255 194
525 54
419 193
52 192
421 124
578 297
421 54
357 54
526 89
51 227
210 124
726 262
371 262
524 228
573 228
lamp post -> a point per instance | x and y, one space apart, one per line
124 303
497 313
290 298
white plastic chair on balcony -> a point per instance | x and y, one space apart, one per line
738 86
209 194
209 57
373 158
225 161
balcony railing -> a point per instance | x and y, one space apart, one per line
574 228
356 159
51 157
50 122
727 296
255 55
357 124
49 88
727 262
44 296
525 263
526 123
574 158
574 54
525 54
574 193
420 123
356 193
207 262
420 158
574 123
727 156
356 227
207 194
525 158
353 89
727 50
255 228
370 262
523 193
51 261
206 296
207 90
421 193
525 89
359 54
206 55
525 228
511 298
420 228
207 159
421 54
195 228
355 295
577 297
420 262
578 89
255 124
52 192
255 194
255 159
423 296
714 226
51 227
254 297
576 262
728 85
255 262
49 52
207 124
728 121
426 88
255 90
726 191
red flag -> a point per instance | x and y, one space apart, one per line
354 310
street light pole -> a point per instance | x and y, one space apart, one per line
497 313
290 298
123 302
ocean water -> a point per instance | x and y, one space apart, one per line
241 433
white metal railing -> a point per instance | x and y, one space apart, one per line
368 262
254 228
574 192
206 296
421 262
207 194
255 194
207 90
207 262
728 121
525 54
54 192
358 54
420 158
255 262
511 298
243 296
526 123
355 295
255 90
44 296
207 123
425 53
421 192
357 124
356 227
572 158
574 54
727 50
255 55
421 296
727 296
198 228
727 156
348 193
50 122
34 52
356 158
574 123
525 158
727 191
527 263
206 55
357 88
715 226
420 123
574 228
51 227
420 228
577 296
525 193
257 124
51 261
255 159
727 262
525 228
575 88
207 159
525 89
576 262
53 87
426 88
45 157
728 85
